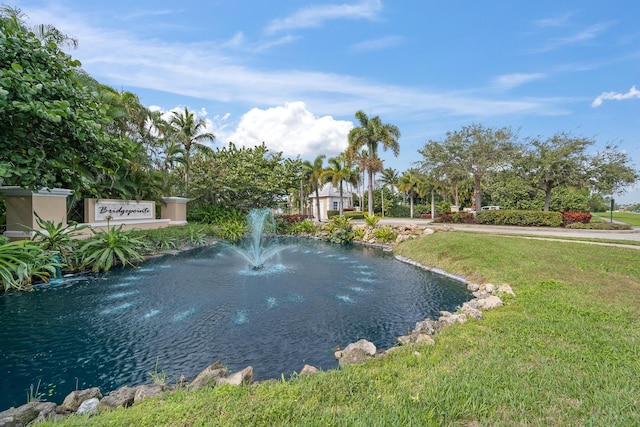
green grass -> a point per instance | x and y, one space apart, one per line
565 351
630 218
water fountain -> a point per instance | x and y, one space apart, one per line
261 242
188 310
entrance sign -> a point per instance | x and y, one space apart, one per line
100 210
123 210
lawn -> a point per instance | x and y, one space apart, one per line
633 219
564 351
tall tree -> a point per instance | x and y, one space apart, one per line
389 178
370 134
191 132
558 161
53 129
340 170
313 173
611 171
408 184
473 151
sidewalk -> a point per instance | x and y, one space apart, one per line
631 235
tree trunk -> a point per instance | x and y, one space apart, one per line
547 199
318 204
433 205
370 192
411 209
341 201
477 195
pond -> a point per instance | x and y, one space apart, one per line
186 311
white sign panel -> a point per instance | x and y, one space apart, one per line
123 210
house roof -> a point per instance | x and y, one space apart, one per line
328 190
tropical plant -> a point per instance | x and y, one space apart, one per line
371 219
340 170
313 173
23 260
384 233
302 227
370 134
111 247
56 237
408 184
232 230
339 230
190 131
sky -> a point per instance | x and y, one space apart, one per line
293 73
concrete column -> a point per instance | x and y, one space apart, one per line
22 205
174 209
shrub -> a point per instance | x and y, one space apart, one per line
339 230
371 220
214 214
599 226
23 260
107 248
354 215
517 217
232 229
384 233
303 227
457 218
573 217
331 213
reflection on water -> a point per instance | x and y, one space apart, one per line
189 310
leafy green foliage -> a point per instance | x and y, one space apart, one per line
371 219
529 218
52 126
232 230
302 227
111 247
339 230
22 261
56 237
384 233
457 218
241 178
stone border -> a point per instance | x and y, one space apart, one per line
91 401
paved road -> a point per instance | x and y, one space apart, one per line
633 235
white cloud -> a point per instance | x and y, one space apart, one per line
583 36
509 81
293 130
556 21
315 16
617 96
377 44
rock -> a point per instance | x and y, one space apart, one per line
452 319
404 340
147 391
46 412
427 326
20 416
480 293
208 376
356 352
505 289
121 397
487 287
489 303
473 287
74 399
427 231
243 377
89 406
308 370
471 311
402 237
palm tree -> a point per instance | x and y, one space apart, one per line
313 172
370 134
190 132
389 177
340 170
408 184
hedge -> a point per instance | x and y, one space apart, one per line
517 217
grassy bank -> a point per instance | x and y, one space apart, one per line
565 351
633 219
